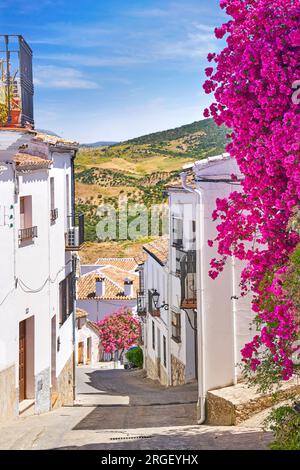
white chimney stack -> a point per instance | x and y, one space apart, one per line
100 286
128 287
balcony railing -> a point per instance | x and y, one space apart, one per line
53 215
75 233
27 234
141 304
188 279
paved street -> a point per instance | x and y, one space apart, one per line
119 409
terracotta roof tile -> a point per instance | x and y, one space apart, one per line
25 161
55 140
81 313
127 264
159 249
114 284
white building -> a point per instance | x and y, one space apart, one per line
207 322
223 317
153 293
37 240
182 286
107 286
87 340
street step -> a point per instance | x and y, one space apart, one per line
231 406
26 408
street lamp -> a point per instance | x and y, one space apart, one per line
155 298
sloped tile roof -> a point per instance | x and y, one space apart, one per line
81 313
54 140
114 284
159 249
127 264
25 161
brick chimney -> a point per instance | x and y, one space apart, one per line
128 287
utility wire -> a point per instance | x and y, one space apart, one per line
29 290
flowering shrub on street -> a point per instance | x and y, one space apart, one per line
252 81
119 331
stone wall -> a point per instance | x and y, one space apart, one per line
152 371
65 385
232 405
164 380
42 392
8 394
177 371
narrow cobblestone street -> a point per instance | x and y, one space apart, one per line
119 410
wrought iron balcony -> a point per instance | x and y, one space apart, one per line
27 234
16 82
53 215
75 233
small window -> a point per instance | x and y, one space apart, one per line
176 327
25 212
177 232
66 298
27 232
153 335
165 351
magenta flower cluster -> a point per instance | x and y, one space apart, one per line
251 80
119 331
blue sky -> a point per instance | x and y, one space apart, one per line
116 69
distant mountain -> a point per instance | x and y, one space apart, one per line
199 136
140 168
98 144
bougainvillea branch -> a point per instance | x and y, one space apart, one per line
252 82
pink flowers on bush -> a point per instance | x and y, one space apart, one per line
119 331
252 84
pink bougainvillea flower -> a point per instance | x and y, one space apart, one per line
252 86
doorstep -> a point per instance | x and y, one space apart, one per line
26 408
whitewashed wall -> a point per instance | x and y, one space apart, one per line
156 277
98 309
226 322
183 205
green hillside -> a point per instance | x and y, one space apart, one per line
141 168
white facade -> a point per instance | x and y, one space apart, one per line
154 277
207 322
87 340
183 345
223 317
114 296
34 267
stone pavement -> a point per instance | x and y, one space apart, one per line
121 410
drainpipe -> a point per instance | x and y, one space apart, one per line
234 311
200 299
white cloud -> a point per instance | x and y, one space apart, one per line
50 76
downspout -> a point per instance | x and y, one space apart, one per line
200 299
234 310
